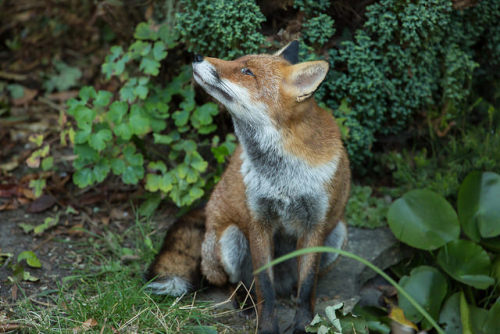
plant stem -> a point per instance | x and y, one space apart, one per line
324 249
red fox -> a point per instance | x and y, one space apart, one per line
286 187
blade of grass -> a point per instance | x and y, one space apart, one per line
324 249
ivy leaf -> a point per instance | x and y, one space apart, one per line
162 139
181 117
98 140
87 93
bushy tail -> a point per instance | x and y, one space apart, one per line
176 268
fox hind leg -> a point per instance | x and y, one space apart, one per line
176 269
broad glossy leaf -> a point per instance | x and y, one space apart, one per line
428 287
423 219
466 262
479 205
450 315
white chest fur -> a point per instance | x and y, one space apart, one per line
282 190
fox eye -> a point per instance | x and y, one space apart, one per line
247 71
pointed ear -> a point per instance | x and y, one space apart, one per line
304 78
290 52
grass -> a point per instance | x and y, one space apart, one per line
108 296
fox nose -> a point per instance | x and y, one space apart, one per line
198 58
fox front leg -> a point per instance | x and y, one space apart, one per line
261 249
308 265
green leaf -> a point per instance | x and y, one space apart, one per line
16 91
103 98
149 66
47 163
86 153
101 170
166 182
153 182
87 93
123 131
145 31
450 315
83 177
195 193
30 258
132 174
82 136
118 166
27 228
159 52
117 110
149 206
162 139
478 205
197 162
466 262
139 122
47 223
423 219
98 140
157 165
37 185
181 117
135 159
84 116
141 91
428 287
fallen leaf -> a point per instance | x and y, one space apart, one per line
11 165
398 316
29 94
41 204
89 323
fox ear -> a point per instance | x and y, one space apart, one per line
290 52
305 78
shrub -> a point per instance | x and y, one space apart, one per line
221 28
409 57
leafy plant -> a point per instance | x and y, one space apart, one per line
337 323
149 132
364 209
409 57
425 220
221 28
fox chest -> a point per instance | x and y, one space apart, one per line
286 194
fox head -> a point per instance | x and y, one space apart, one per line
261 88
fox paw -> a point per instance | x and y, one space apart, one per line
173 286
